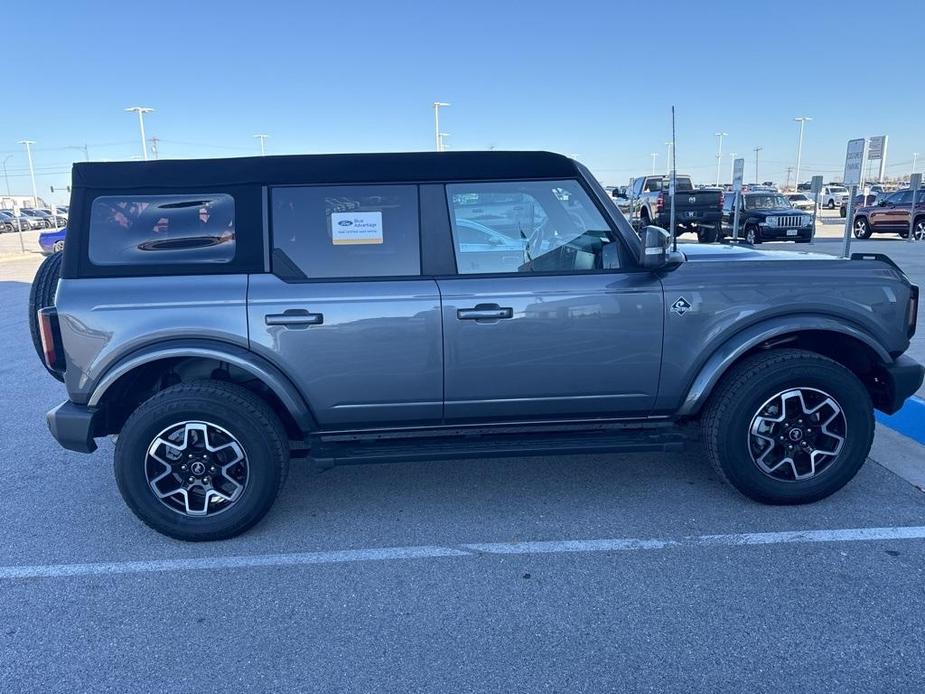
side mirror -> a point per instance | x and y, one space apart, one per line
881 203
654 247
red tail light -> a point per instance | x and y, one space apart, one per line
51 339
660 202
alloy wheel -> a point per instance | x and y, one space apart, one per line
797 434
918 231
196 468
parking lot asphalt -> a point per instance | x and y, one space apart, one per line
578 573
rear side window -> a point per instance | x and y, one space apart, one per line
334 232
162 229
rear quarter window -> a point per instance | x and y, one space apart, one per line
162 229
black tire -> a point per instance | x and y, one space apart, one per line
241 414
861 228
830 204
706 235
752 235
739 398
42 295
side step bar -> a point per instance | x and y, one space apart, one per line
336 450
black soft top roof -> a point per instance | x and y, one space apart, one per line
323 168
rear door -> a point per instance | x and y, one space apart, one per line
548 334
346 313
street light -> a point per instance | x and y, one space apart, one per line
653 155
438 144
756 150
802 120
6 176
35 195
719 153
669 145
141 111
263 139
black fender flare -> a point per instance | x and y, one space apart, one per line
238 356
729 352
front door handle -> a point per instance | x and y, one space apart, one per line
485 312
294 317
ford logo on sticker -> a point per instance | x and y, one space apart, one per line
345 223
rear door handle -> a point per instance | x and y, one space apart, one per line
485 312
294 317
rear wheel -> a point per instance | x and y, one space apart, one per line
201 461
788 427
42 295
707 234
862 228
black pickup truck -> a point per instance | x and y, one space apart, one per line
698 210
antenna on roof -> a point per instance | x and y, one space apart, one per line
671 184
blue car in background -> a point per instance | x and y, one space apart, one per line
52 241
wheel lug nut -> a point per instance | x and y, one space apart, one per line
183 467
192 479
212 469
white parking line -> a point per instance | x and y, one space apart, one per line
467 550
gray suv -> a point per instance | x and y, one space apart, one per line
221 317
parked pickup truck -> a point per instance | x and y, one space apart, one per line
699 211
221 317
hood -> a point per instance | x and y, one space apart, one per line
729 252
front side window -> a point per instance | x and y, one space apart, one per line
330 232
162 229
530 226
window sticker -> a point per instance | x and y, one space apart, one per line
348 228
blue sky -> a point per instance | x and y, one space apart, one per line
593 80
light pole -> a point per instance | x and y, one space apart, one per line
719 153
732 171
915 160
756 150
653 155
141 111
438 144
35 195
263 139
802 120
669 145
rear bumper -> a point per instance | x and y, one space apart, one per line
902 379
73 426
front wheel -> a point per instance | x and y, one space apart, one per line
788 427
918 229
861 228
751 235
201 461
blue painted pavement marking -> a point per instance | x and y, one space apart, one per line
909 421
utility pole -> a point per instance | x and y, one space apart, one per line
443 137
653 155
141 111
756 150
789 171
35 195
719 153
6 176
263 139
915 160
732 171
669 145
438 143
802 121
154 149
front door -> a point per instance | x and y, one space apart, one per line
542 331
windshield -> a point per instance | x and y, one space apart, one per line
837 189
765 202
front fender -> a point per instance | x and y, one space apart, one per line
726 355
237 356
